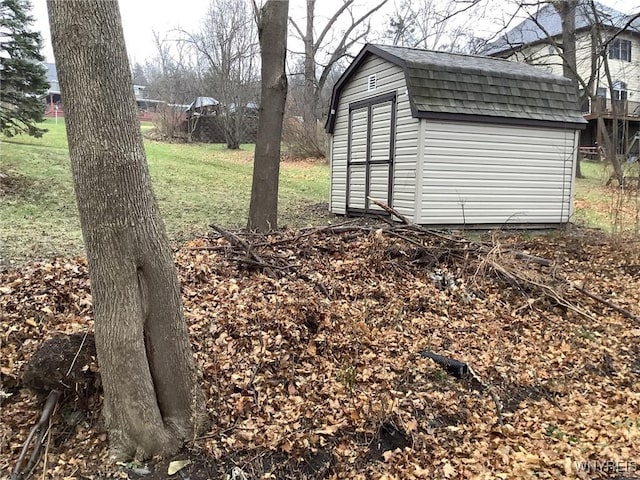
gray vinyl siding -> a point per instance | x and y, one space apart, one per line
381 116
476 173
380 131
357 186
390 78
359 120
359 123
405 159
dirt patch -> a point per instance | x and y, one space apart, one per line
514 395
15 185
266 464
65 362
389 437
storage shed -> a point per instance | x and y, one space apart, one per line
452 139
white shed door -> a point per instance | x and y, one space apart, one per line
370 157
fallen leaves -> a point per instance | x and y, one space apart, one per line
317 362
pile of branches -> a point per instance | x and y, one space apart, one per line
532 276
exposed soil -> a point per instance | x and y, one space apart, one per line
15 185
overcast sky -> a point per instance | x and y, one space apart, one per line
141 17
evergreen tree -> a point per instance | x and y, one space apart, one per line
139 77
22 76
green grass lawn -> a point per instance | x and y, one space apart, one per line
607 207
196 184
199 184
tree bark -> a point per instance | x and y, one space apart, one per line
272 31
309 111
567 11
152 402
613 144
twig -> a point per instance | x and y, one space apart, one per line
264 265
392 211
304 232
624 312
39 430
477 245
530 258
546 289
46 450
78 352
238 242
492 393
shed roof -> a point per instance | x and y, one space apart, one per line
451 86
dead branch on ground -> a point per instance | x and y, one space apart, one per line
39 431
253 257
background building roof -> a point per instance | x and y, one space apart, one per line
529 31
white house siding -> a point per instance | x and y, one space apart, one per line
493 174
389 78
542 55
627 72
546 57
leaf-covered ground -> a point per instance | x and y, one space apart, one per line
318 373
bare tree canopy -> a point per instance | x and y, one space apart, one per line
228 57
325 46
434 25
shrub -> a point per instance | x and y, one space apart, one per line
299 143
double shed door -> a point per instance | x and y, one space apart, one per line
370 153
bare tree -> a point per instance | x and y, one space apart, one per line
431 25
152 401
174 80
603 41
567 11
228 46
321 52
272 28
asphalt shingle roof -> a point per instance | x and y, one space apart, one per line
471 84
529 30
474 88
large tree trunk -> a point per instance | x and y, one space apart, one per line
567 11
309 109
613 140
272 29
152 402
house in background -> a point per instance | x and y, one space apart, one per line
53 97
54 104
451 139
536 41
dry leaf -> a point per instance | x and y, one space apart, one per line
177 465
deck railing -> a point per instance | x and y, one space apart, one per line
608 107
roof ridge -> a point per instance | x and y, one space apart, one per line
535 72
460 54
